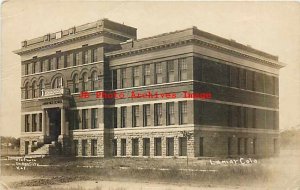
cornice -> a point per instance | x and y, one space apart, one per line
69 39
194 40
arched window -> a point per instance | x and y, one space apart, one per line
84 82
34 89
26 91
58 82
94 85
75 83
42 87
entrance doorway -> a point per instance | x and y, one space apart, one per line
54 123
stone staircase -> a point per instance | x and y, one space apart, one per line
45 149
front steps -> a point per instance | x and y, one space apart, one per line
46 149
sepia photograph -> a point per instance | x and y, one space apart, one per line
149 95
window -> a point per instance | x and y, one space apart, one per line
26 91
158 114
146 147
58 82
136 76
229 146
115 117
52 61
85 57
75 144
171 71
246 146
147 75
170 146
94 118
33 67
158 73
41 66
75 83
84 118
135 116
147 115
48 63
183 112
34 122
123 147
94 147
34 90
182 146
201 144
157 146
26 69
123 117
84 147
27 123
94 81
84 82
254 146
114 147
40 121
114 79
58 61
239 146
170 113
135 147
67 60
42 87
123 78
76 59
182 69
75 121
94 55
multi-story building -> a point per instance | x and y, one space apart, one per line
64 74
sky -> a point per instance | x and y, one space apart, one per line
273 27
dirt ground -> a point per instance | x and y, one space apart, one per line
282 173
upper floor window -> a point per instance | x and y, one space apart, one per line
94 118
136 76
48 64
26 91
123 78
58 82
75 83
33 67
183 112
26 123
42 66
182 69
58 61
26 69
123 117
157 114
158 73
171 71
170 113
67 60
84 119
84 82
135 116
34 89
147 115
42 87
94 85
95 55
147 75
76 59
85 57
52 61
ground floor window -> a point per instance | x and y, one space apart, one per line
123 147
26 147
201 147
115 147
254 146
182 146
84 147
239 146
157 146
75 144
135 147
94 147
170 146
245 146
146 147
229 146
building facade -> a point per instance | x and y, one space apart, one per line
97 90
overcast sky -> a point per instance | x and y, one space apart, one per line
273 27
